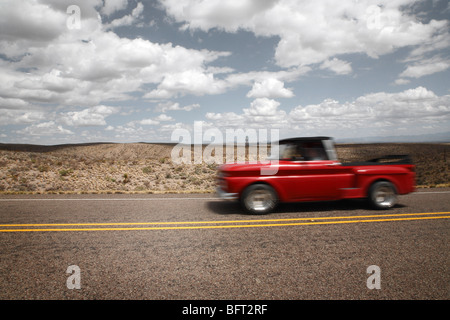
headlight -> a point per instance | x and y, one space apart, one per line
221 181
221 175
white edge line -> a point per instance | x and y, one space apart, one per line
149 199
422 192
113 199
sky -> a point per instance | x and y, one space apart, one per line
141 71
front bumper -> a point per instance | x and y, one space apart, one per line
225 195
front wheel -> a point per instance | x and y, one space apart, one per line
382 195
259 199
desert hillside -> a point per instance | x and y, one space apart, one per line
147 168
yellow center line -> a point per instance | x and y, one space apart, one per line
378 218
215 221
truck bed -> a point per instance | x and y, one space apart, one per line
385 160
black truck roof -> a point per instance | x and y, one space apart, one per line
304 139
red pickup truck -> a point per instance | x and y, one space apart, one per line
307 169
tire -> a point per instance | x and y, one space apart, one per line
259 199
382 195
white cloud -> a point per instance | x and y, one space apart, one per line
151 121
29 21
262 113
29 25
401 81
337 66
262 107
426 67
94 116
312 31
12 103
439 41
49 128
112 6
368 114
12 116
224 14
148 122
226 116
193 82
92 65
389 110
163 117
175 106
253 77
189 107
269 88
129 19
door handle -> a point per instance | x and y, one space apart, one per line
333 164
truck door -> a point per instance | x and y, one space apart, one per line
311 173
318 180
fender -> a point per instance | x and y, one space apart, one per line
238 185
398 176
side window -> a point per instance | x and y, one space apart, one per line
314 154
298 153
305 151
292 152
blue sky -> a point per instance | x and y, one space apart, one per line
129 71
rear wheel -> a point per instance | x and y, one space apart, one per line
382 195
259 199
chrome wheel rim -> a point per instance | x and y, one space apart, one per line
260 200
385 197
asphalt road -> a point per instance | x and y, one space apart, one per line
188 247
